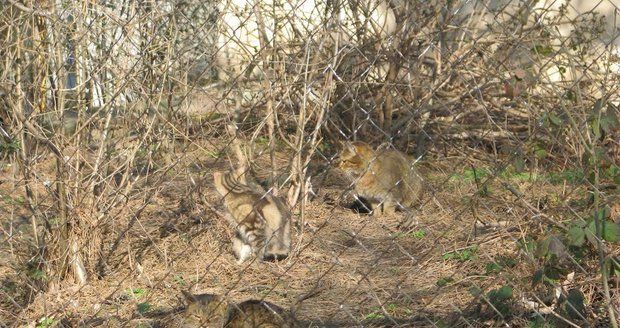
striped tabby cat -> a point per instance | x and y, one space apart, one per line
255 313
262 221
204 310
385 178
213 311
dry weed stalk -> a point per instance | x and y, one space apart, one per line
93 91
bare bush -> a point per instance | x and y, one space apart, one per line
113 116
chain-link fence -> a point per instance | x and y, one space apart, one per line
115 115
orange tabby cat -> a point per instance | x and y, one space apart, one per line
385 178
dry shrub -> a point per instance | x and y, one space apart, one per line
113 117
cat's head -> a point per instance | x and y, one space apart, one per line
204 310
355 156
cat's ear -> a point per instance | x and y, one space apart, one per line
347 145
189 297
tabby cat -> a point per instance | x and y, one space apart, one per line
205 310
213 311
385 178
255 313
262 221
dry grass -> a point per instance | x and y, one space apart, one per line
127 199
368 272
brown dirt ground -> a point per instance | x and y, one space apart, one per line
367 271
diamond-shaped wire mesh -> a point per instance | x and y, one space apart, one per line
502 116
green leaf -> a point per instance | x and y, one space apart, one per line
499 298
484 191
137 292
574 306
579 253
475 291
539 322
556 120
603 213
609 120
418 233
374 315
506 261
598 105
45 322
9 148
144 307
551 274
179 280
576 236
443 281
571 176
540 153
579 223
38 274
537 278
613 173
543 50
529 246
492 268
591 232
462 255
612 265
501 294
610 231
613 170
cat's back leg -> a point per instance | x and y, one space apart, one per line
389 206
277 235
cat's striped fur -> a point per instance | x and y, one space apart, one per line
382 177
256 313
205 310
214 311
261 220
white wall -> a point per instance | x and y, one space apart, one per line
292 24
